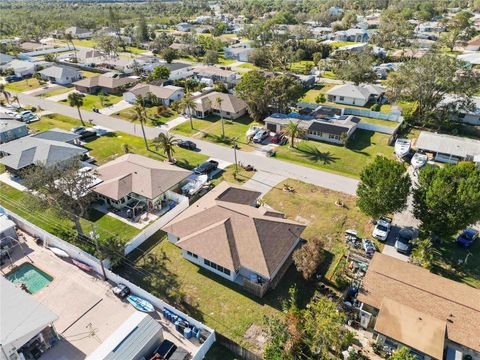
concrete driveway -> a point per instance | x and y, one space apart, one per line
263 181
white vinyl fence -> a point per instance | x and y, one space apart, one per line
378 128
78 254
182 204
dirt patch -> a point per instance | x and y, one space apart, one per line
256 336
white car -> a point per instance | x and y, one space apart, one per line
252 131
260 136
23 114
382 229
418 160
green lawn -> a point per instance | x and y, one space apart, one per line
198 125
311 95
135 50
338 44
228 175
88 74
328 75
23 204
249 66
386 123
362 149
90 101
59 91
316 206
24 85
106 148
154 119
300 67
224 61
85 42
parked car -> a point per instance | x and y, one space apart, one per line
22 114
279 138
252 131
12 78
30 118
187 144
403 242
260 136
206 168
121 290
467 237
418 160
78 129
87 134
382 228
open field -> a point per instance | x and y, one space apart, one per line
90 101
24 85
312 94
154 119
54 92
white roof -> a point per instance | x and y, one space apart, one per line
448 144
362 91
20 65
57 72
22 318
5 223
472 58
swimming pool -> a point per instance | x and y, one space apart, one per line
34 278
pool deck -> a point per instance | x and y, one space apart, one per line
88 310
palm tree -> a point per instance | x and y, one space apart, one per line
166 141
15 98
294 130
219 101
188 104
76 100
5 93
69 39
141 116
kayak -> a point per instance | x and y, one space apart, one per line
82 265
59 252
140 304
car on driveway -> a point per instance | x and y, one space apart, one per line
261 135
467 237
12 78
382 228
187 144
30 118
78 129
403 243
21 115
252 131
206 168
279 138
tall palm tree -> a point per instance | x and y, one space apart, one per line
141 116
5 93
69 40
76 100
293 130
15 98
166 142
188 104
219 101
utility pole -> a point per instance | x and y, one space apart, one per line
235 154
95 237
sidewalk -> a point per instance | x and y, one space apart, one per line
110 110
60 97
264 181
43 89
173 123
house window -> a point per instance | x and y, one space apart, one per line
335 137
193 255
216 267
342 98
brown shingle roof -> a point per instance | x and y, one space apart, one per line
229 102
235 235
137 174
404 324
105 81
455 303
162 92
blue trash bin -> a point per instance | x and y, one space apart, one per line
187 332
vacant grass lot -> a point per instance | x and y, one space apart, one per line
24 85
312 94
350 160
249 66
59 91
90 101
110 146
154 119
301 67
229 175
89 74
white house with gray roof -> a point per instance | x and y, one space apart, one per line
62 75
20 68
11 130
359 95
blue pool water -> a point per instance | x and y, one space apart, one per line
34 278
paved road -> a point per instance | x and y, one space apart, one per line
269 165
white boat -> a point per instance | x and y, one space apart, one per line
418 160
59 252
194 185
402 147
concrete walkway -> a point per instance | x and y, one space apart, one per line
286 169
173 123
264 181
110 110
60 97
43 89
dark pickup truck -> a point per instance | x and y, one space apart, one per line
206 168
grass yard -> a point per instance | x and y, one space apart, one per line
24 85
88 74
154 119
59 91
109 147
339 44
301 67
224 61
85 43
228 175
315 206
198 125
135 50
392 124
311 95
342 160
249 66
90 101
23 204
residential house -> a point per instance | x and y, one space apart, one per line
62 75
230 106
48 148
240 51
358 95
178 70
79 32
474 44
12 130
134 182
335 11
468 116
336 130
166 94
27 325
408 306
212 74
4 58
227 234
448 148
89 56
470 57
20 68
109 83
430 27
184 27
350 35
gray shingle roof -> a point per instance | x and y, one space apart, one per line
60 72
